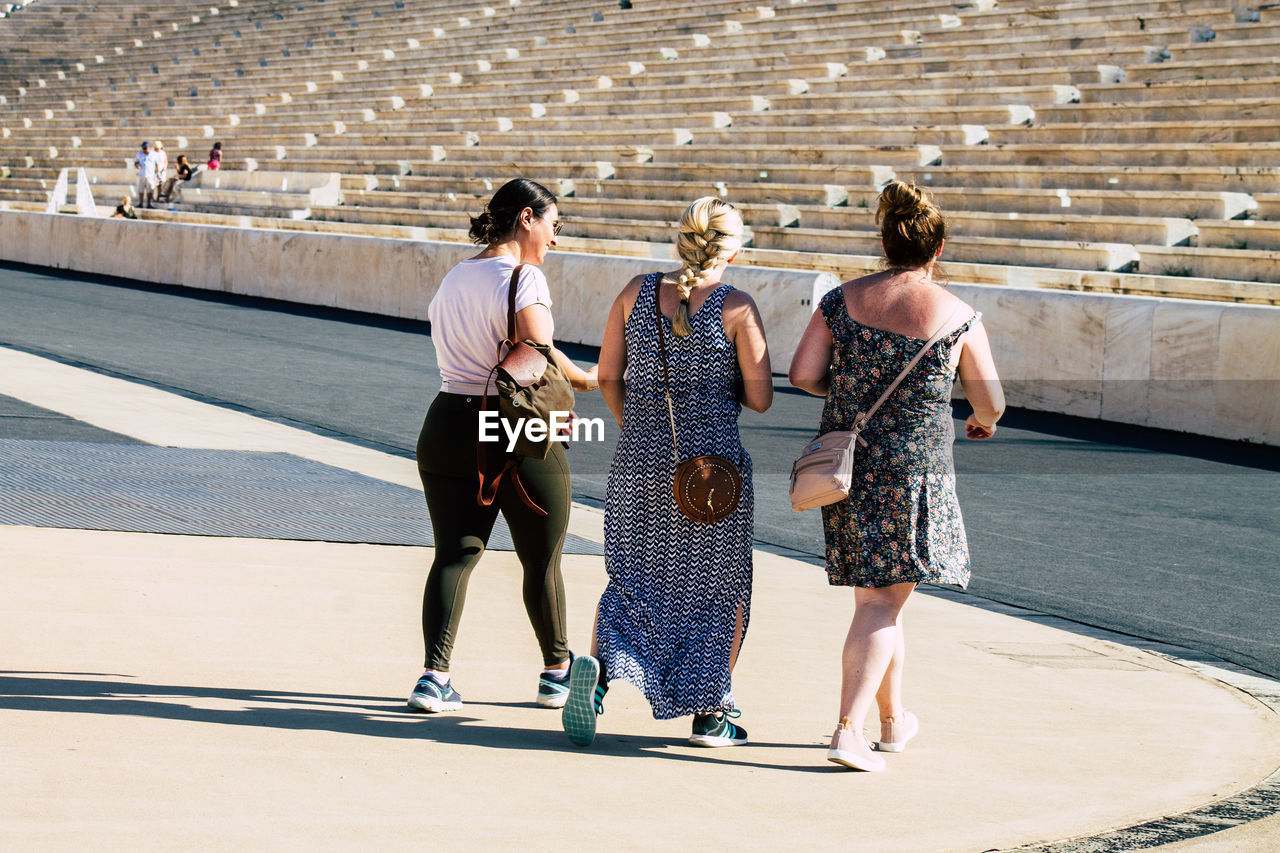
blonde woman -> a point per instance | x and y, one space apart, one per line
678 601
900 525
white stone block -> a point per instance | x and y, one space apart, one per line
570 96
643 154
836 69
835 195
367 114
250 164
425 90
48 114
1066 94
397 102
388 54
669 53
281 153
911 36
489 11
308 140
974 134
471 139
259 109
733 27
233 120
634 68
437 153
79 66
567 188
701 40
873 54
505 125
438 32
53 153
929 155
311 86
207 130
765 12
721 120
71 105
950 22
787 215
604 170
464 22
339 127
98 59
722 189
1021 114
336 76
455 78
796 86
26 122
362 65
76 142
1111 74
759 103
603 82
512 53
537 110
483 65
414 44
682 136
286 98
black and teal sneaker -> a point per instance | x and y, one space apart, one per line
717 730
553 691
431 696
585 701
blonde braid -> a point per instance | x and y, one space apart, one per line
710 232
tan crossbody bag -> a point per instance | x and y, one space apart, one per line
824 472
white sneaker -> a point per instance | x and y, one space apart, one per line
854 750
895 732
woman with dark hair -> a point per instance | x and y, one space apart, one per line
901 523
215 156
468 323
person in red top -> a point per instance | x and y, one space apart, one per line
215 156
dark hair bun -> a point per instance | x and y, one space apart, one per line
911 225
903 201
482 228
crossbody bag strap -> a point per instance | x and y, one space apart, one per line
937 336
662 351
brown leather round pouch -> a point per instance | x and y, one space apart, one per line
707 488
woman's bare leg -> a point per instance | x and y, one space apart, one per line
889 696
869 647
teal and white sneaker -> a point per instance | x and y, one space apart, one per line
552 691
430 696
717 730
585 701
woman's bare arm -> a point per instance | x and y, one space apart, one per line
980 382
747 333
811 365
534 323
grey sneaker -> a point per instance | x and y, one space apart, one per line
853 750
431 696
717 730
552 691
584 702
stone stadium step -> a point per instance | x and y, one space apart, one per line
1136 133
1020 252
1212 262
1234 179
1149 153
1240 234
1188 112
1268 205
1196 91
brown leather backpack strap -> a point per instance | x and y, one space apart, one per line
511 303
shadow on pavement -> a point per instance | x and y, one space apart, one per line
371 716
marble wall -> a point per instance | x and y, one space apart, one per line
1211 368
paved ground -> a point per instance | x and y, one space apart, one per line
225 693
1147 533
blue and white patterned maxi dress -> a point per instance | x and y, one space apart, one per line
667 616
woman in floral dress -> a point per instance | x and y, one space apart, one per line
901 523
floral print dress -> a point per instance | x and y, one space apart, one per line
901 521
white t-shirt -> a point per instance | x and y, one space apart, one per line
469 318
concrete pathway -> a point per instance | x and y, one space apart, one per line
159 691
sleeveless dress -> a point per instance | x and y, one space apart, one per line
901 521
667 615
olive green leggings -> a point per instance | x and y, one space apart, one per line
461 527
